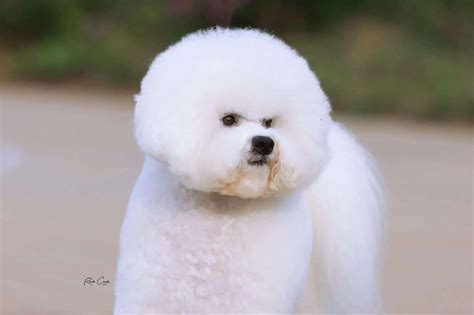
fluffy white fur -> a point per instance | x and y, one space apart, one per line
205 231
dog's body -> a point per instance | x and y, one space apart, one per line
226 216
192 252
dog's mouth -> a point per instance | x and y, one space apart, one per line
257 160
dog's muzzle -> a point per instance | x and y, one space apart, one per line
257 160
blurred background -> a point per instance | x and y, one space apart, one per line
399 73
402 57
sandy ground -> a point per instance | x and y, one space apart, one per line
69 162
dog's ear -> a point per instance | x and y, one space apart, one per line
139 127
347 205
146 136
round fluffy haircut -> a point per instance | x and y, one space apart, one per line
252 75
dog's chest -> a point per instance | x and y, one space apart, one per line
202 258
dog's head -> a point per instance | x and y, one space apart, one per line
236 112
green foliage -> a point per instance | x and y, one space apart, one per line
404 57
363 72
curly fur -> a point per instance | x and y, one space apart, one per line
207 232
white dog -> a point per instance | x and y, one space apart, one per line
247 185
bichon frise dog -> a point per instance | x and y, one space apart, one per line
250 193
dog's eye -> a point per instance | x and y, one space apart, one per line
267 123
229 120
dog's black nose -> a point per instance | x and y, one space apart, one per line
262 145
